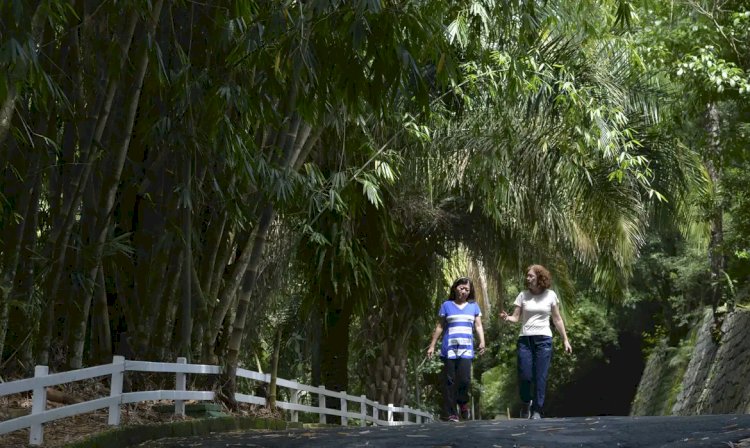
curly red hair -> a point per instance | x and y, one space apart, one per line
543 277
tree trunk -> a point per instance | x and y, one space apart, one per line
215 237
23 285
6 110
4 312
75 357
294 138
271 399
22 188
8 105
162 339
186 316
210 335
212 247
157 246
390 330
200 315
101 339
18 193
65 217
243 307
315 341
717 259
231 289
335 346
158 264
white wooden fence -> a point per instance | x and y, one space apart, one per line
368 411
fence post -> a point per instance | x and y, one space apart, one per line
115 390
344 410
407 414
294 398
375 414
363 410
180 383
38 405
322 405
418 417
390 414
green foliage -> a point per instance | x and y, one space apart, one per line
499 391
700 54
671 278
652 340
669 363
591 329
713 72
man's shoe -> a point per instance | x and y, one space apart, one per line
453 418
536 416
464 411
526 410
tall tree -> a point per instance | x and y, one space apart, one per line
698 46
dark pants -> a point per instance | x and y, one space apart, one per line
534 356
457 376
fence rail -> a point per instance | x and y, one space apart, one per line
368 411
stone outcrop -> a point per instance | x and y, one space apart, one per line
698 370
727 389
716 380
654 389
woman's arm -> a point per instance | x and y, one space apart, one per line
511 317
560 325
435 336
480 332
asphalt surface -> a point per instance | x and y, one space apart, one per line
694 431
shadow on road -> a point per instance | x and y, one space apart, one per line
684 432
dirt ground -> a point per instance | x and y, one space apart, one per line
73 429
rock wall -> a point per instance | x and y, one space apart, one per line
727 389
698 370
716 380
654 388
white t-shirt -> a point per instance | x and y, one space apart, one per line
536 310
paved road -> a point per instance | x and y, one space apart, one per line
684 432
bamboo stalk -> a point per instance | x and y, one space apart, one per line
75 357
9 104
61 235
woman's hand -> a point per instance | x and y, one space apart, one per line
481 348
430 351
503 315
568 348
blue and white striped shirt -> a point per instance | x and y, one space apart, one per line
458 331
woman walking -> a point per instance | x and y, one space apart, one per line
459 316
534 307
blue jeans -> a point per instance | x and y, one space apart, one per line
534 356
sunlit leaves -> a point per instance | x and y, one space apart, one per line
551 138
713 72
458 31
370 190
384 171
625 14
419 131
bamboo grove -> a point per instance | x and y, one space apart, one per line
218 179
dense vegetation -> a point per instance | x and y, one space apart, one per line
251 181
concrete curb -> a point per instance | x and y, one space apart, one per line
127 436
